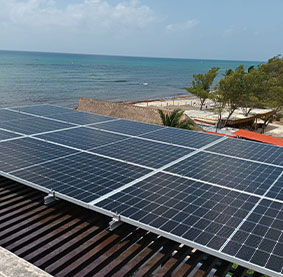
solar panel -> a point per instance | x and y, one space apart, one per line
152 154
7 135
245 227
228 172
128 127
260 239
24 152
33 126
182 137
250 150
193 211
83 177
221 196
43 109
80 118
6 115
83 138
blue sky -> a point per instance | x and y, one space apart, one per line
207 29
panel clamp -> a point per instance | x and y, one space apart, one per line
115 222
50 198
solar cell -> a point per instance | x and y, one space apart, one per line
80 118
208 200
128 127
250 150
83 138
193 211
33 126
260 238
42 110
6 115
83 177
182 137
23 152
276 191
228 172
143 152
7 135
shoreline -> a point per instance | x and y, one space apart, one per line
169 98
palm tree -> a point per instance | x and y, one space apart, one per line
173 119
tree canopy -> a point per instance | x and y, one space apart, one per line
202 83
256 87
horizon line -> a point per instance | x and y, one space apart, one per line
127 56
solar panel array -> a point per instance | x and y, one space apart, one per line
220 195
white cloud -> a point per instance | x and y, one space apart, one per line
187 25
89 14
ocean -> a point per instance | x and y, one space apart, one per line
33 77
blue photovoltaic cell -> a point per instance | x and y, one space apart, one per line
23 152
6 115
201 211
84 177
128 127
80 118
143 152
43 110
191 210
259 240
182 137
83 138
250 150
33 126
7 135
229 172
276 191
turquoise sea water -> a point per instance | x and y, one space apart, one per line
32 77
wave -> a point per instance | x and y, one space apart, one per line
116 81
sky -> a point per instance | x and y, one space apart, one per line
205 29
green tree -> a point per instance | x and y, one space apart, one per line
231 89
253 90
219 105
273 86
202 83
173 119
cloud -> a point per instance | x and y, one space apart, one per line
93 15
187 25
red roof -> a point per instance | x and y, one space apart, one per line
220 134
259 137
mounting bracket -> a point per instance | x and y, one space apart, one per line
115 222
50 198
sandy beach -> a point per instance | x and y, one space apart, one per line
192 103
